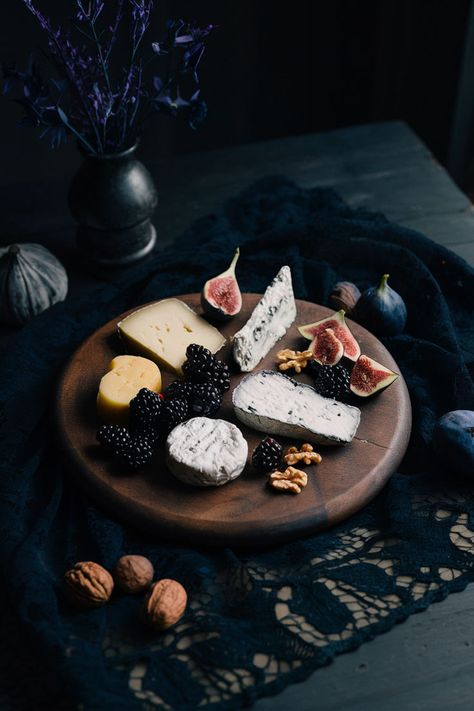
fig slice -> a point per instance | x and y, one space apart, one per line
369 377
221 298
326 348
338 324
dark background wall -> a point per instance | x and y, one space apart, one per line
275 69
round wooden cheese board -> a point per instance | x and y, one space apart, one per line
244 512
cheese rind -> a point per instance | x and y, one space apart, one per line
274 403
206 452
270 320
162 331
126 376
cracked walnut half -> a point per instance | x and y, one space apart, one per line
291 480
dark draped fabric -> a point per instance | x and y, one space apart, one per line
256 621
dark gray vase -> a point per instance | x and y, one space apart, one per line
113 197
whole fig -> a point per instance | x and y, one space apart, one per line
344 295
453 441
381 310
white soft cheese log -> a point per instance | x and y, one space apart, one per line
162 332
270 320
274 403
206 452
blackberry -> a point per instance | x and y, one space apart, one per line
200 363
199 359
179 390
205 401
202 366
220 376
146 410
133 451
137 454
146 405
333 381
113 437
174 412
267 455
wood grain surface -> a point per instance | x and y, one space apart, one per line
245 512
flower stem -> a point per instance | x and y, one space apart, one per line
101 57
79 137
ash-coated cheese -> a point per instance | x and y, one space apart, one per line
274 403
162 331
206 452
270 320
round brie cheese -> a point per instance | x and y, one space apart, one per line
206 452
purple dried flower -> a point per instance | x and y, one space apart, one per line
89 10
103 105
141 11
157 48
40 102
191 39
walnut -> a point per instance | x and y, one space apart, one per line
304 456
165 603
88 584
133 573
292 480
293 359
344 295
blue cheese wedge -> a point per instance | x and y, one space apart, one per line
274 403
270 320
205 452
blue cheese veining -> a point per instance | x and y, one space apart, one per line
270 320
273 403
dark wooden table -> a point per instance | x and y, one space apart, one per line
426 662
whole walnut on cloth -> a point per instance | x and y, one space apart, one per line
164 604
133 573
88 584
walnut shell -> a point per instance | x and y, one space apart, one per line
165 603
344 295
133 573
88 584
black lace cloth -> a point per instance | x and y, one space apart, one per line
256 620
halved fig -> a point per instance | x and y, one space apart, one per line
338 324
369 377
221 298
326 348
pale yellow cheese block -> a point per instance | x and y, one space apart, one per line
162 331
127 375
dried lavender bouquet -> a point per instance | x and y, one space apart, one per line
104 74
